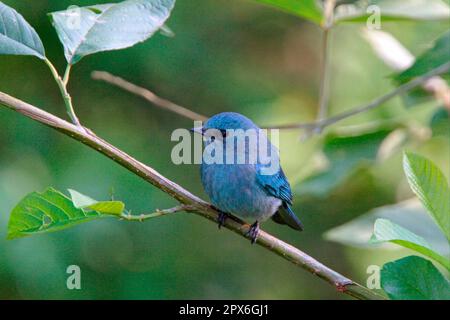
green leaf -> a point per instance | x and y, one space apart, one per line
46 212
307 9
82 201
105 27
416 97
409 214
394 10
414 278
357 11
440 122
387 231
429 60
17 37
430 186
346 154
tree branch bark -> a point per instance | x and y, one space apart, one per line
195 204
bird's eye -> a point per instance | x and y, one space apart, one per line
213 138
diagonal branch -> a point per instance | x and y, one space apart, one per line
184 197
147 95
158 213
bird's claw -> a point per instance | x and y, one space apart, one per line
253 232
221 219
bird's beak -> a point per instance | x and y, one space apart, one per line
199 130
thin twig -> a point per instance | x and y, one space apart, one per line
416 82
148 95
184 197
324 93
67 74
158 213
328 10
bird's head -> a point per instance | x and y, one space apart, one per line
229 120
243 142
226 121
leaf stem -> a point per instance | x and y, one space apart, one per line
158 213
324 77
67 74
62 84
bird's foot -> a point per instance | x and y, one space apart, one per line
253 232
222 218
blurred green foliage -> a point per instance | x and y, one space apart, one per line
227 55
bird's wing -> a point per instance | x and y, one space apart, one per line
277 186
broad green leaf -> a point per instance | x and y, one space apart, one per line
431 187
409 214
438 55
45 212
387 231
440 122
346 154
105 27
394 10
307 9
107 207
414 278
17 37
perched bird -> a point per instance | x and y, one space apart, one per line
244 189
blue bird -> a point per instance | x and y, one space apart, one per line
241 188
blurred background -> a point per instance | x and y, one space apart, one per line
227 55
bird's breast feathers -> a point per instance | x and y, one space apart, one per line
234 189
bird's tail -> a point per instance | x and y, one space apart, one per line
285 215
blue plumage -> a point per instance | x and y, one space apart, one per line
245 190
277 186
